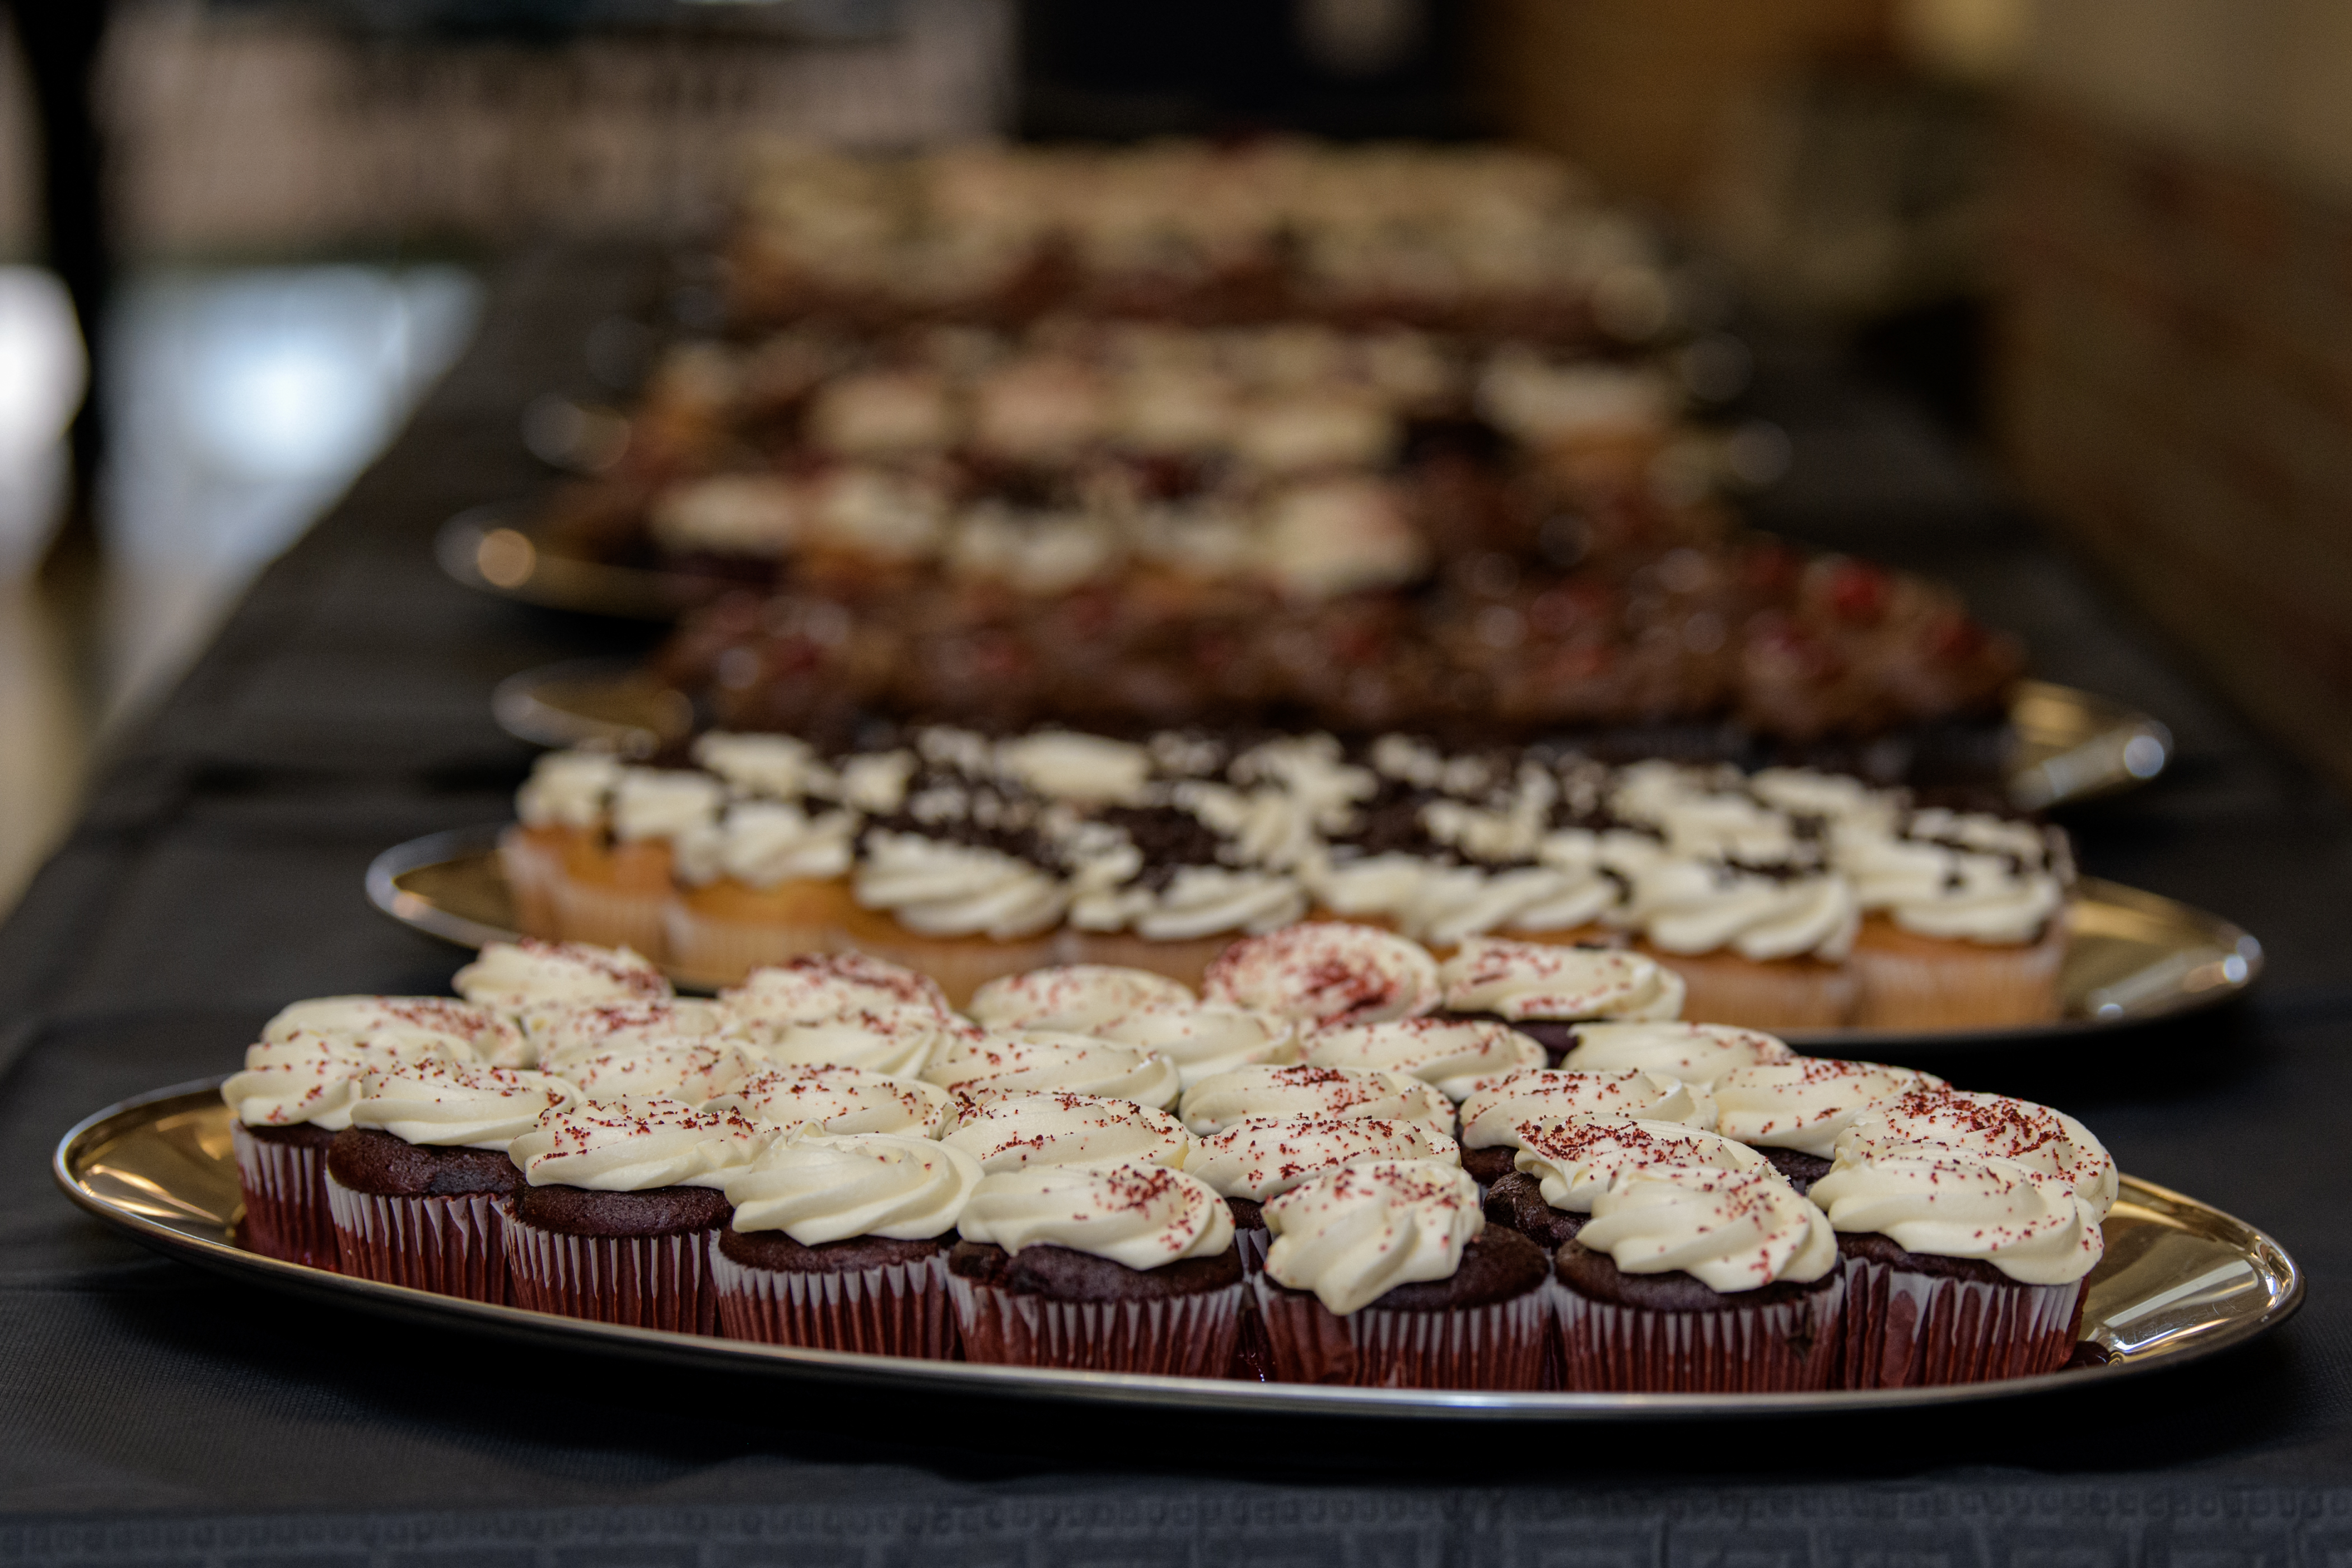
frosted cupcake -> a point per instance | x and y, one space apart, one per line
822 986
840 1100
1254 1160
1128 1269
471 1033
840 1243
1386 1275
1073 997
1543 990
1450 1055
1204 1040
1563 1164
514 977
1795 1111
1026 1063
1494 1112
557 1035
693 1070
1253 1093
1327 973
901 1042
1017 1132
1694 1052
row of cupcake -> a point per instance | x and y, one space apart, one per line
1351 1164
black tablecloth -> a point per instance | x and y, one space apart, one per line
155 1414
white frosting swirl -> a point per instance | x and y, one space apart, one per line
942 889
1944 1202
1731 1230
1576 1157
1262 1159
1450 1055
1956 875
1006 1062
692 1070
568 789
1807 1103
516 975
818 987
314 1079
842 1101
1442 903
1195 901
635 1144
817 1189
1353 1235
766 843
559 1032
1703 905
1525 980
1013 1130
1137 1216
1205 1039
449 1105
658 802
1091 770
1074 997
471 1031
1494 1112
1324 973
1696 1053
1279 1093
776 767
899 1042
2035 1136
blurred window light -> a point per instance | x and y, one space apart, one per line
43 372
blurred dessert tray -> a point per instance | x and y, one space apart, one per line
2181 1281
2131 958
2066 745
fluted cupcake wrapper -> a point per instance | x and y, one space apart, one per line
1905 1329
717 949
1499 1345
1252 1245
611 916
638 1281
1175 1336
1779 1347
447 1245
898 1309
284 1187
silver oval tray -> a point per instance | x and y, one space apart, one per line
2181 1281
2132 957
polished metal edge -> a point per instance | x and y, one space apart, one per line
903 1373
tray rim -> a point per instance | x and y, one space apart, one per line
480 840
900 1374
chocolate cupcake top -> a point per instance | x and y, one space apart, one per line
819 1188
1806 1104
1495 1111
840 1100
818 987
1946 1201
1013 1131
1327 973
1137 1217
693 1070
1073 997
1352 1234
561 1034
1696 1053
1204 1038
635 1145
1542 981
1731 1230
1575 1159
1966 876
305 1078
2035 1136
1450 1055
513 976
478 1033
1264 1157
1010 1062
899 1041
1280 1092
454 1105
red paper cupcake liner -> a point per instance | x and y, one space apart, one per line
1906 1331
447 1245
1176 1336
640 1281
284 1187
899 1309
1777 1348
1499 1345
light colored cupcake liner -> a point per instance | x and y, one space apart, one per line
1499 1345
450 1245
1906 1331
1781 1348
610 917
638 1281
1176 1336
1915 983
899 1309
532 871
284 1187
1764 994
712 948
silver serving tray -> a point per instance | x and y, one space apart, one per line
2132 957
2181 1281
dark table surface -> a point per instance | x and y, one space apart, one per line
151 1412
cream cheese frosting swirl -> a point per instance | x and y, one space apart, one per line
816 987
1009 1062
1195 901
449 1104
938 888
635 1144
1276 1093
1016 1130
1532 980
901 1042
1137 1216
1945 1202
305 1078
1205 1039
661 803
517 974
1760 911
566 1034
840 1100
1353 1235
822 1188
1450 1055
692 1070
1261 1158
1731 1230
1072 998
1805 1104
1494 1112
477 1032
1696 1053
568 789
1327 973
2035 1136
1959 876
766 843
1576 1157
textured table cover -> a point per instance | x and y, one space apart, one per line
151 1413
